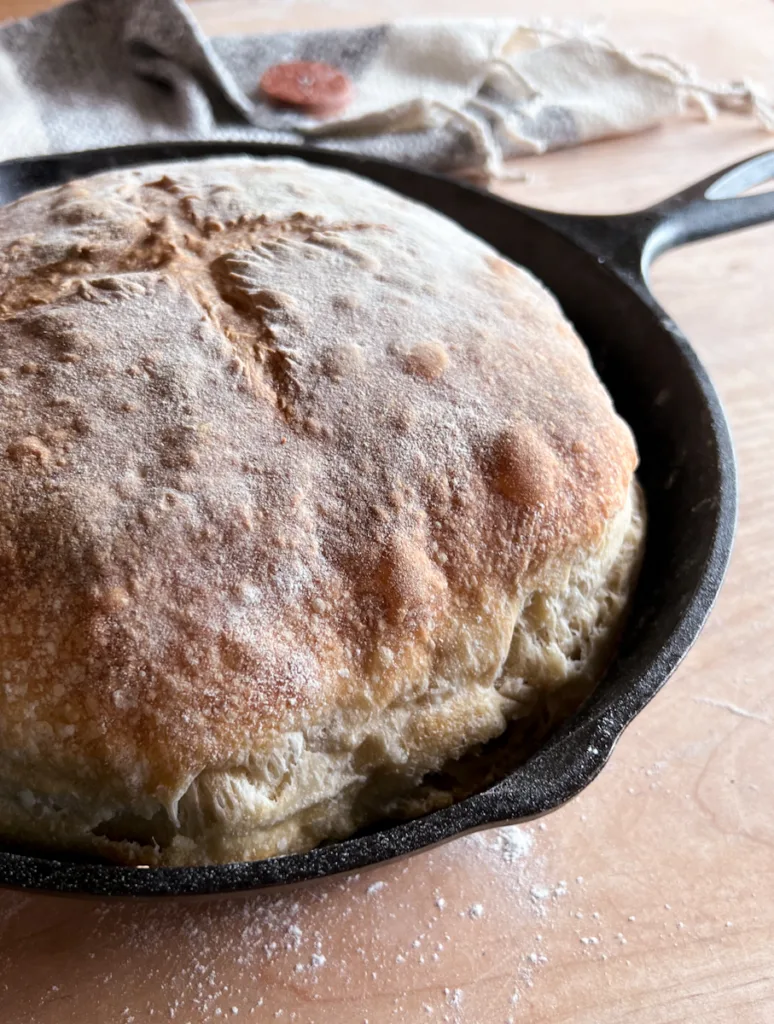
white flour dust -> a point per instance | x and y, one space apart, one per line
290 955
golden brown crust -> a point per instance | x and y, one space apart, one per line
268 434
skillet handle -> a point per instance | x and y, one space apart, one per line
630 242
711 207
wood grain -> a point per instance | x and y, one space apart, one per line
672 847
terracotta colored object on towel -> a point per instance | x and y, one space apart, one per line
317 88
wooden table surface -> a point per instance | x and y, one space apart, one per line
650 898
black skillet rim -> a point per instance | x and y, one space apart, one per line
579 749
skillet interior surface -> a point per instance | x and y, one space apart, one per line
687 470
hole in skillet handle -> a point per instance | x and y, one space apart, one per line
592 264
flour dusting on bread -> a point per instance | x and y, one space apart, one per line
304 491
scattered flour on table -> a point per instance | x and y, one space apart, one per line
197 962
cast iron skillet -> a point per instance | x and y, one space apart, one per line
597 268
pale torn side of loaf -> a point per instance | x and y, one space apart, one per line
304 491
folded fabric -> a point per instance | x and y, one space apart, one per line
445 95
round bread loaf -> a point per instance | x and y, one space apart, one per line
304 491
